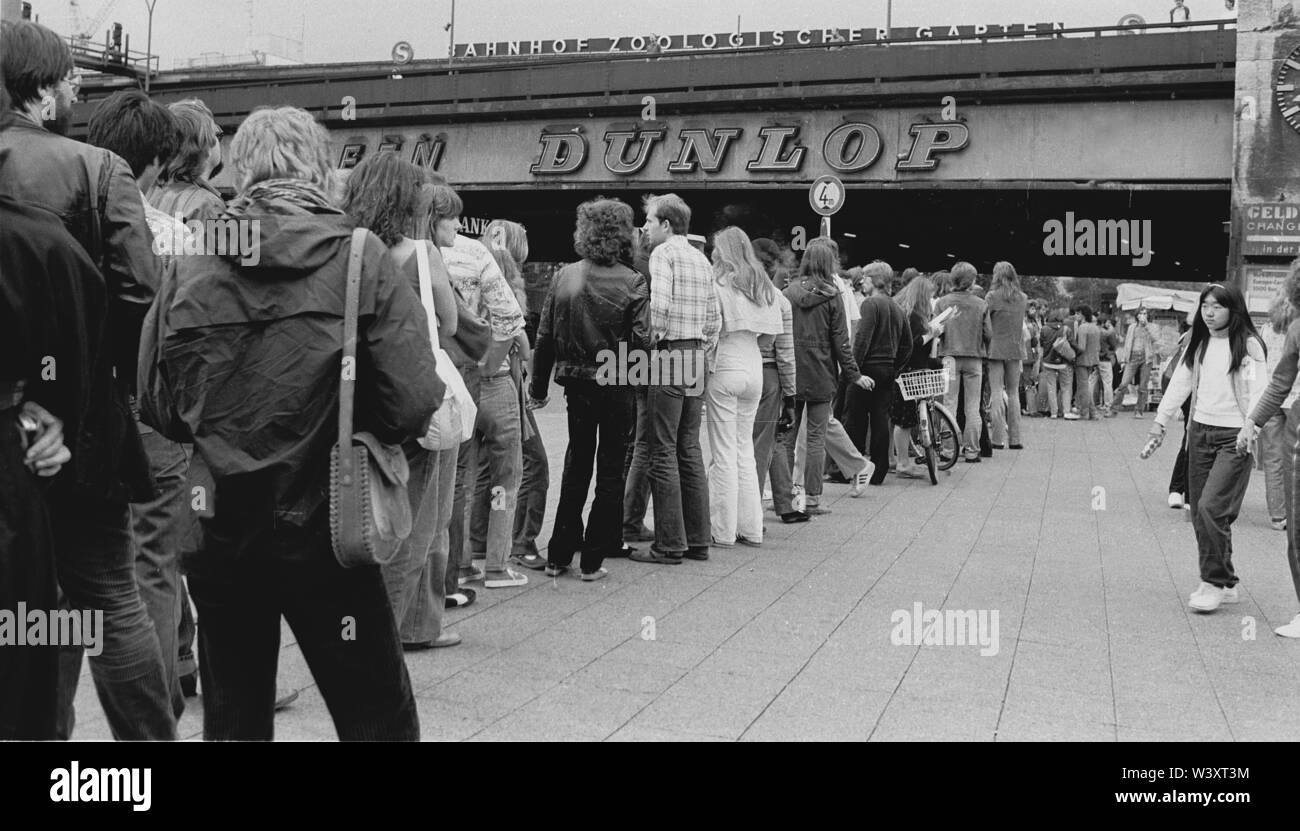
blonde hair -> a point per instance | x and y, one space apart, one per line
917 296
1007 282
508 242
733 254
281 143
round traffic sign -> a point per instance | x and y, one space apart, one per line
826 195
402 52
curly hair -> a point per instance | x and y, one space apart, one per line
382 193
604 232
281 143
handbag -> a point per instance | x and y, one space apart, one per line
370 510
453 422
1062 346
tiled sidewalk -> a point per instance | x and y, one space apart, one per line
793 640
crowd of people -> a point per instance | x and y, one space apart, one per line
177 411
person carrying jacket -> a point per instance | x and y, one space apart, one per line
880 349
1057 376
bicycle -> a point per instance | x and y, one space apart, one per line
935 437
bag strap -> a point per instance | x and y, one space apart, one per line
349 375
426 289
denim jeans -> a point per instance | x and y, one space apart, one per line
1106 378
677 481
1178 476
1217 476
1085 388
814 458
769 464
458 555
1005 414
243 582
839 448
409 578
735 501
158 532
1139 371
598 417
96 567
423 619
966 378
1059 386
636 468
499 458
530 509
1292 455
1276 440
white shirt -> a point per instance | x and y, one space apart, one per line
852 307
1216 403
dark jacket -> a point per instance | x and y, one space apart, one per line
590 309
883 340
93 194
821 340
252 358
919 358
52 327
1052 331
198 200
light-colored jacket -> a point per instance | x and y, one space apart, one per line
1248 384
780 348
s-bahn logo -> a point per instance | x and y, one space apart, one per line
848 148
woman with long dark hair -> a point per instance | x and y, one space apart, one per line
916 299
1222 370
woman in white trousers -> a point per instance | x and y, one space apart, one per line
749 308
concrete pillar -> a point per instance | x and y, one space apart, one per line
1266 167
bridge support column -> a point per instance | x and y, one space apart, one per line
1266 150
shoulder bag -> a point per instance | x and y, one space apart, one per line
453 422
370 510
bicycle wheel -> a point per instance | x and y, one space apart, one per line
944 437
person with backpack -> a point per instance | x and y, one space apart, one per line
1057 376
1222 371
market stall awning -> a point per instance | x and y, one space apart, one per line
1135 295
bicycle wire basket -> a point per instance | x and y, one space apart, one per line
926 383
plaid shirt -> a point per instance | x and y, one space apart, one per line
683 296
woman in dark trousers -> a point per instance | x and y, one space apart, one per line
916 299
1223 371
1281 387
1178 476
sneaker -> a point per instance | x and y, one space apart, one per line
1206 598
592 576
1230 595
798 500
460 599
555 571
973 459
1175 500
816 510
913 472
747 541
1071 416
1278 524
473 578
1291 630
720 544
507 579
1137 413
861 480
1055 415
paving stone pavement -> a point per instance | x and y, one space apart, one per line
1070 542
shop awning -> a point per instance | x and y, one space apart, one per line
1135 295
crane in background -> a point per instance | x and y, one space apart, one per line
84 32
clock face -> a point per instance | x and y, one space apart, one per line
1286 89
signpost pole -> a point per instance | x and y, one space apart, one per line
826 227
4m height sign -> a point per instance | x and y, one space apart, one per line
826 196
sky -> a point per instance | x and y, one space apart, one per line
355 30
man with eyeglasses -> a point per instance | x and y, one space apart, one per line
95 195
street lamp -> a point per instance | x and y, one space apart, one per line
148 48
451 38
889 15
